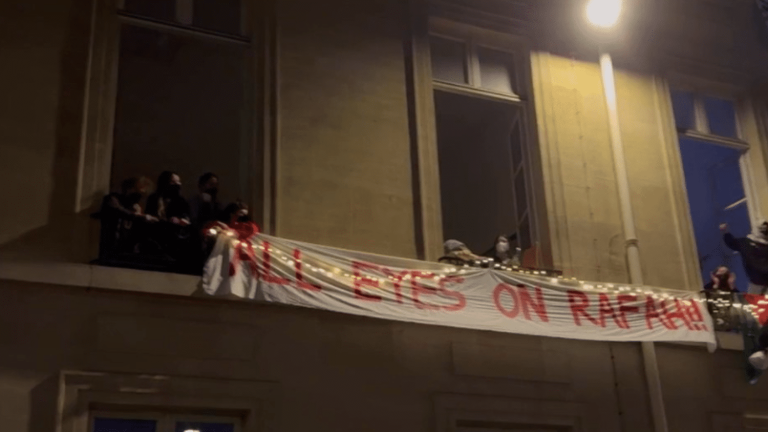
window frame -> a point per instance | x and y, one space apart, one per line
472 65
701 130
166 421
451 409
702 81
184 20
518 47
702 133
258 146
82 393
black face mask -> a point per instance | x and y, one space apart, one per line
212 192
723 279
173 190
243 218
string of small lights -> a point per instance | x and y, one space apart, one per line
444 271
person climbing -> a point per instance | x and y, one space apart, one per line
754 254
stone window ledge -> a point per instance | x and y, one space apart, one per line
95 276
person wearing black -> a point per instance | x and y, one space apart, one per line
204 206
166 203
123 221
234 213
173 232
754 254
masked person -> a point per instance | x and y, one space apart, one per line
204 206
166 203
754 254
173 232
122 219
501 252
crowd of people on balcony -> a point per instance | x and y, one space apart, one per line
168 230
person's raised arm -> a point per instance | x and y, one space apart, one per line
728 238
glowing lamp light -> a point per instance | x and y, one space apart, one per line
604 13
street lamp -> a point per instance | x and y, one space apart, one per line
604 13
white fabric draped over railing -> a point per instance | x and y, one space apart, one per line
276 270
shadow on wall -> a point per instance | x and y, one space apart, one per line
66 235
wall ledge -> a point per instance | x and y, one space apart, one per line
120 279
95 276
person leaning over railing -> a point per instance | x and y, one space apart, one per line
204 205
174 231
123 222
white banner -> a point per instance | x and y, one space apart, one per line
275 270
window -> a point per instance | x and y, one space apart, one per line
160 422
222 16
499 426
473 413
485 175
711 155
705 115
161 403
465 63
497 71
181 103
449 60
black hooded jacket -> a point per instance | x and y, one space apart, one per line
753 254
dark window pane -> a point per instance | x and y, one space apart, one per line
219 15
123 425
682 103
516 141
524 234
477 191
521 193
713 182
180 103
158 9
721 116
204 427
497 70
448 60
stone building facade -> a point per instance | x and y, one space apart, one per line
336 141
